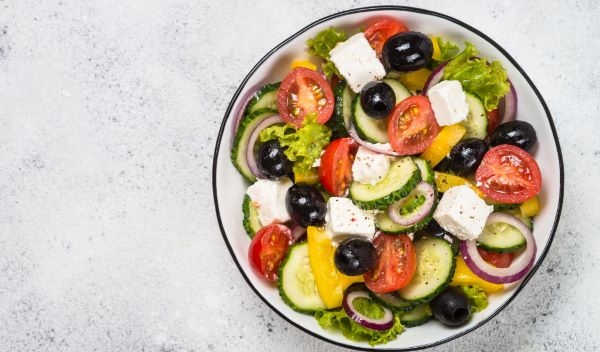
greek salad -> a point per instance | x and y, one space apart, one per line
390 181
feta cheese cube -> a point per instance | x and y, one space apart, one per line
268 197
462 213
449 102
357 62
345 218
369 167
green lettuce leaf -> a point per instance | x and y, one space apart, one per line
448 50
488 82
304 145
476 296
322 44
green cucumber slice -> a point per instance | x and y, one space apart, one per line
391 301
418 316
251 221
501 237
264 98
477 120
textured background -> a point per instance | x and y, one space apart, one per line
109 112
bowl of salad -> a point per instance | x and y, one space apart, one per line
387 178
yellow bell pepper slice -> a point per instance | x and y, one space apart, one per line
309 178
530 207
304 63
448 137
444 182
331 284
437 53
415 80
464 276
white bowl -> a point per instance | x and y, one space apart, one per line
229 187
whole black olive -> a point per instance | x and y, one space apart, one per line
466 156
451 307
355 256
408 51
271 160
518 133
377 99
306 205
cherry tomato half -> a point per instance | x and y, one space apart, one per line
500 260
268 248
304 91
493 120
378 32
412 126
335 171
508 174
396 263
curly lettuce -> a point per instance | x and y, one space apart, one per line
476 296
448 50
488 81
322 44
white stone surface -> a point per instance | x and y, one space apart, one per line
108 116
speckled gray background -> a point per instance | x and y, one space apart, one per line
108 116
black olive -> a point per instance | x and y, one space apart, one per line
408 51
451 307
466 156
271 160
377 99
306 205
355 256
518 133
442 166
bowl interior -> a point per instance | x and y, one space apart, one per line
229 186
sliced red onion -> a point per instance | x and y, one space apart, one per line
435 77
373 147
411 219
250 157
297 231
385 323
239 112
507 107
519 267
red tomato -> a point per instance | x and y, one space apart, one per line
508 174
396 263
335 171
378 32
500 260
268 248
412 126
304 91
493 120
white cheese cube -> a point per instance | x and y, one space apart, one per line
449 102
462 213
357 62
345 218
268 197
369 167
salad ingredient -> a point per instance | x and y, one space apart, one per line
251 221
476 296
392 301
434 270
449 102
412 126
306 205
271 161
464 276
407 51
354 331
444 182
303 63
443 143
360 308
268 197
493 119
500 260
520 266
387 225
436 77
267 250
462 213
379 32
344 218
447 49
401 178
500 236
357 62
396 263
250 150
381 148
486 80
508 174
311 177
355 256
322 44
417 316
335 169
412 209
296 281
304 91
256 97
342 111
426 170
465 157
302 146
451 307
377 99
530 207
369 167
507 108
415 80
518 133
477 119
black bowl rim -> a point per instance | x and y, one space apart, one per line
405 9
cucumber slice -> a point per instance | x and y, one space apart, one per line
501 237
401 178
435 268
296 281
343 102
399 89
385 224
391 301
427 174
251 221
264 98
477 120
418 316
238 151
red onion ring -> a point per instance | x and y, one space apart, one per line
423 188
373 147
517 270
250 157
297 231
239 111
435 77
385 323
507 107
